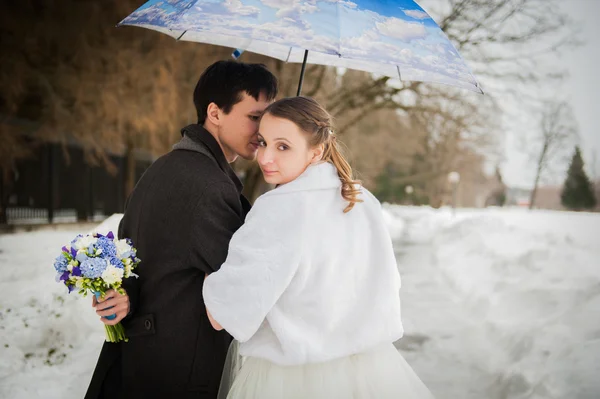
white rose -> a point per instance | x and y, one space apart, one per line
112 275
84 242
122 248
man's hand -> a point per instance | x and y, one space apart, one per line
118 304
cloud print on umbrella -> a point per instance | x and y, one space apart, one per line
398 35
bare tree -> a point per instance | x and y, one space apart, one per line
80 79
557 130
504 41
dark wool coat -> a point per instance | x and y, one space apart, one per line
180 216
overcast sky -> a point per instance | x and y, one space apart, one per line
582 90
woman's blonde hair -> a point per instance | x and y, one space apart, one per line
315 121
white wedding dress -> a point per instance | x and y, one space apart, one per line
380 373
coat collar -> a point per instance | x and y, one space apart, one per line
197 138
321 176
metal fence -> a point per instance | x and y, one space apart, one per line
58 186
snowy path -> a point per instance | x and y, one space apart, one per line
506 303
438 324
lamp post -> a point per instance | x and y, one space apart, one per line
454 179
409 190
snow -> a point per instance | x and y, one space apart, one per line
508 299
49 340
497 304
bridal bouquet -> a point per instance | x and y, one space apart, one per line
96 263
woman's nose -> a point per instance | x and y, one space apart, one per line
264 158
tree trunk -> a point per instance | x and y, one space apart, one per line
538 173
534 192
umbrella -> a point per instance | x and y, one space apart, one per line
391 38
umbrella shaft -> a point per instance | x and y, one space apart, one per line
302 73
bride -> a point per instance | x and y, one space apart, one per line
310 287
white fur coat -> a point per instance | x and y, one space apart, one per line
304 282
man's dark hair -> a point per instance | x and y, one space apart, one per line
224 83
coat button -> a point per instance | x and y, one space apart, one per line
148 324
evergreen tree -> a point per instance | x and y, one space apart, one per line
387 190
578 191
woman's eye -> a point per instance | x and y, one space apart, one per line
282 147
261 143
253 117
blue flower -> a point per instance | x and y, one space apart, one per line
81 257
107 246
116 262
93 267
64 277
61 262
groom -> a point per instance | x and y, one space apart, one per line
181 216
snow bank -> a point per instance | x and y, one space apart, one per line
532 281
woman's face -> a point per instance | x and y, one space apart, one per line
283 152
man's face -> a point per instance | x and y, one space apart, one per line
237 131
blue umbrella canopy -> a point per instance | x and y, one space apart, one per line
392 38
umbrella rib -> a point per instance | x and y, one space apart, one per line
399 74
184 32
289 55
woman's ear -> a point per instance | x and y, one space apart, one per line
213 114
317 153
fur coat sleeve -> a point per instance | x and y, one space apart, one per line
264 254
